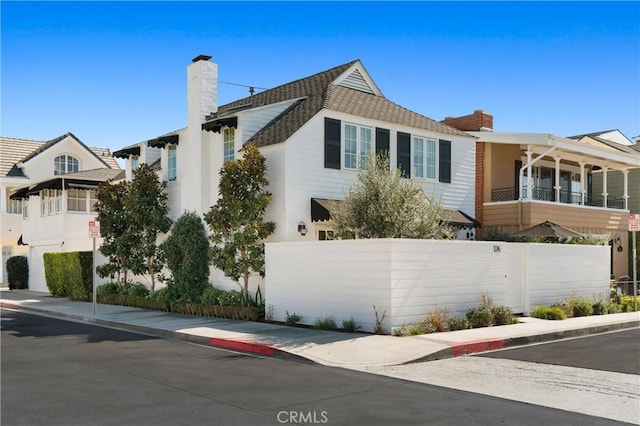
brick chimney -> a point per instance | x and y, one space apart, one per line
479 121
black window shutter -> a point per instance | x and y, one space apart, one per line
332 143
516 195
445 161
382 140
404 154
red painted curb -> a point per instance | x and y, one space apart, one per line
476 346
239 345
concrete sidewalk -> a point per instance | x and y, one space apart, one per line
350 350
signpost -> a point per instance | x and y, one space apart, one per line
94 232
634 226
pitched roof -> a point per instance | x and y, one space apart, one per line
630 149
14 151
314 93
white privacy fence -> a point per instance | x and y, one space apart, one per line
408 279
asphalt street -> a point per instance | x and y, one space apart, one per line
56 372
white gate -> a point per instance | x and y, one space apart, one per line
516 277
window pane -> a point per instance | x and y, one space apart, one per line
431 159
365 146
418 157
350 147
172 172
229 143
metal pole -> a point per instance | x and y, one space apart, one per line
634 259
95 298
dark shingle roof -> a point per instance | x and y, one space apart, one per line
316 92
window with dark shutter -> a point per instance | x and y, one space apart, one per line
445 161
382 140
404 154
332 143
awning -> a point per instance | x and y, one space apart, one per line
19 194
162 141
321 209
218 123
127 152
50 184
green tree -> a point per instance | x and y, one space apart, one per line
382 204
119 241
149 210
236 221
186 251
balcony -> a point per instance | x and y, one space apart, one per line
547 194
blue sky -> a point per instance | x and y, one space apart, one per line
114 73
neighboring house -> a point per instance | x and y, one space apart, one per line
523 179
314 133
615 141
47 193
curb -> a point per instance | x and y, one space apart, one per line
484 345
236 345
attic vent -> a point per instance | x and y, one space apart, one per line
356 81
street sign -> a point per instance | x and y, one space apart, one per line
94 229
634 222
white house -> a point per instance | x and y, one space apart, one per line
47 193
313 133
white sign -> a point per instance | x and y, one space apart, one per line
94 229
634 222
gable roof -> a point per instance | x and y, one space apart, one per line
352 95
15 150
596 136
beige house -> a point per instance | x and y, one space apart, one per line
523 179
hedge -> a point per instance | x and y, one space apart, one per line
18 272
69 274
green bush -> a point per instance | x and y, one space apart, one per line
292 318
350 325
108 288
230 298
626 303
422 327
211 296
186 252
599 307
583 308
458 323
17 272
134 289
326 323
502 315
479 317
549 313
69 274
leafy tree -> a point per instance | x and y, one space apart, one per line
147 204
236 221
186 252
382 204
119 240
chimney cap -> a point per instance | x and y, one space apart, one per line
201 58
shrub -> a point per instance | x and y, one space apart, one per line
211 296
565 307
69 274
108 288
17 272
326 323
479 317
502 315
159 294
400 331
626 303
549 313
186 252
230 298
599 307
438 318
584 308
350 325
422 327
292 319
458 323
134 289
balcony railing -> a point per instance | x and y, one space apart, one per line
547 194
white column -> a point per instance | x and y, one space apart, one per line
529 179
583 190
557 185
3 199
625 174
605 170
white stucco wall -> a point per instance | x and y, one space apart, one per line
411 278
